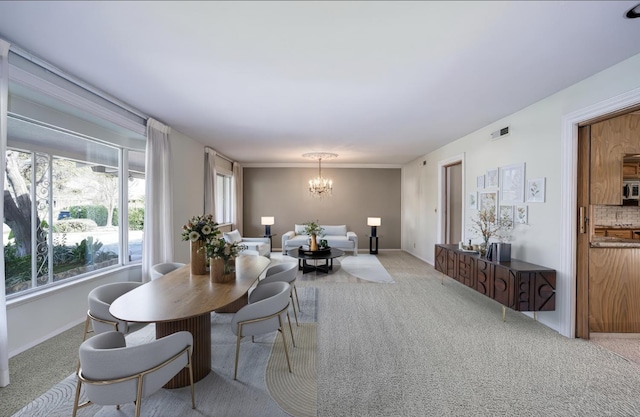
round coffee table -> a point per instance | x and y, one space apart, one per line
325 267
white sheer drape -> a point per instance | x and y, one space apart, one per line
210 182
4 100
157 244
237 196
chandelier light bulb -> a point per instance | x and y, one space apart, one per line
320 187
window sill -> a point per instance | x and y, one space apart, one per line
19 299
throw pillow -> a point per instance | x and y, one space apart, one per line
233 236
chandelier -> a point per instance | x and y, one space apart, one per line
320 187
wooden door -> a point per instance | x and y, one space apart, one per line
607 279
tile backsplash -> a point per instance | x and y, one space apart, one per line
616 215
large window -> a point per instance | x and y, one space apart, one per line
73 176
224 196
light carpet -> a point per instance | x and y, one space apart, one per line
260 381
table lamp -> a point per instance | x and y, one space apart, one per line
267 222
374 222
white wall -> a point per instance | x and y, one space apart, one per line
187 164
31 319
535 139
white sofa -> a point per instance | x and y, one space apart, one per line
255 245
336 236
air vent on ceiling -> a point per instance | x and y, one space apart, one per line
500 133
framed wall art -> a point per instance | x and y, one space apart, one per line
491 179
506 216
480 182
473 201
488 199
536 190
512 184
521 215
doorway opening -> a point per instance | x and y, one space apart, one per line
451 200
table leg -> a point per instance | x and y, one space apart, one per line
200 328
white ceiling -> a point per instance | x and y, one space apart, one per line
375 82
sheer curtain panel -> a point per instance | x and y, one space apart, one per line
237 195
4 99
158 223
210 182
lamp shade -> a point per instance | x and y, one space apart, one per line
374 221
267 221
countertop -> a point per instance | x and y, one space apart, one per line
612 242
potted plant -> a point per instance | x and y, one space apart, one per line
313 230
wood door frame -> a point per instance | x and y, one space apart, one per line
442 193
566 284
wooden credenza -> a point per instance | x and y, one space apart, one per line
518 285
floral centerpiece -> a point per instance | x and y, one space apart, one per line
487 225
200 231
313 229
222 253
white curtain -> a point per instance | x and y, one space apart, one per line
157 244
237 196
210 182
4 100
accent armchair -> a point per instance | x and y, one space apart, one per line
114 374
259 245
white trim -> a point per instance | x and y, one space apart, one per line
312 165
4 94
566 275
442 165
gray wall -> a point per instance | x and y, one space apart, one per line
358 193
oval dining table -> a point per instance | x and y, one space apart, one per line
181 301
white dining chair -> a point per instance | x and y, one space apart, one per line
285 272
113 373
267 305
164 268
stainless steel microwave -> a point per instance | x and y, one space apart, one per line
631 190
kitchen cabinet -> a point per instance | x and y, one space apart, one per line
631 170
519 285
617 232
620 234
611 141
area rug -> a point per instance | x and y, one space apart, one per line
261 385
366 267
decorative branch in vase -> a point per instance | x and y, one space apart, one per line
486 225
